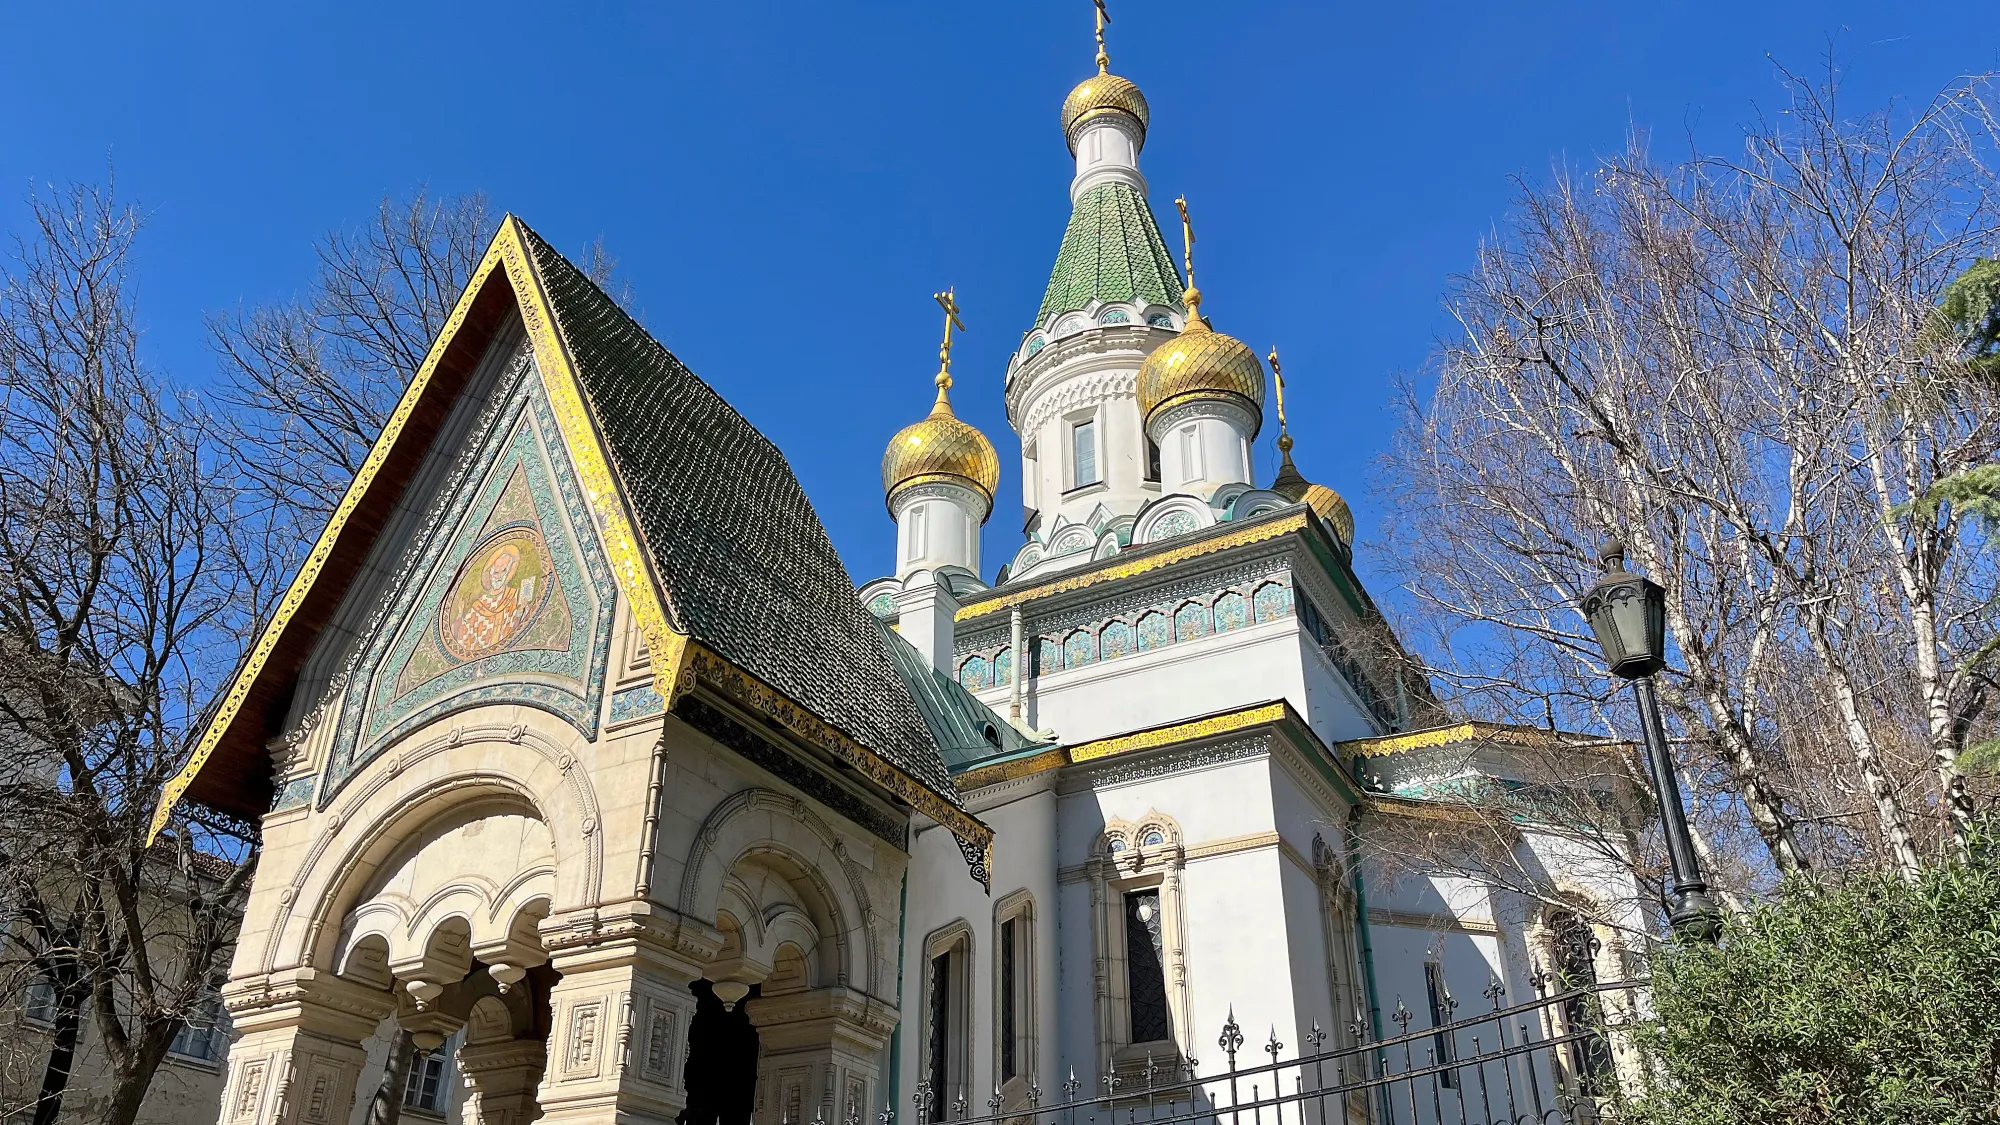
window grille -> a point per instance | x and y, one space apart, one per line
1145 978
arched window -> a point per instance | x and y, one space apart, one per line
1190 621
1139 936
947 1024
1115 641
1232 611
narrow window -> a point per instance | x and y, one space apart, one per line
1145 979
425 1089
1083 444
1440 1015
1190 454
1152 460
916 549
943 1044
1008 1065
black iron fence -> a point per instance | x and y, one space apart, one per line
1556 1060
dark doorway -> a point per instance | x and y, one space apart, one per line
721 1074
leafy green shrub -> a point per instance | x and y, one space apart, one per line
1876 1001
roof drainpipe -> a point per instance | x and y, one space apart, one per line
1020 662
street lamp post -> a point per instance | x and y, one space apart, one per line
1628 613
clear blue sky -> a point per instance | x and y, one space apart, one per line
785 185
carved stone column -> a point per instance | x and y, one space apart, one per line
817 1052
500 1081
619 1017
298 1051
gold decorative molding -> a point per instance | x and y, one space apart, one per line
630 564
1225 723
1230 845
1113 570
1009 771
1531 737
741 687
1423 810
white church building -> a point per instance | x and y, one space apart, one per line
583 769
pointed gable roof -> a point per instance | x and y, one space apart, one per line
727 569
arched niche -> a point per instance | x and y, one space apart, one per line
764 853
384 824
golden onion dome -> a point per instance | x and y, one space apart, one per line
1332 508
1201 363
1097 96
940 448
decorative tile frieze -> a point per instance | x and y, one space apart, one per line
637 702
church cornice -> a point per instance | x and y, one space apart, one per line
1130 563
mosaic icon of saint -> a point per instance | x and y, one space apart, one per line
496 595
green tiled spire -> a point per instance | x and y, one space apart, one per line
1112 251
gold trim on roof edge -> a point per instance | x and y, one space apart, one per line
629 563
1423 810
1077 581
1225 723
1051 759
579 434
1466 732
741 686
1171 734
231 703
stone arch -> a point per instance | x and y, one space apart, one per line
473 880
762 833
493 767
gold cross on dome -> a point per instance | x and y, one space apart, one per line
948 301
1278 377
1192 297
1103 18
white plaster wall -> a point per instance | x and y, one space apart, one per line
1241 909
1120 487
1219 672
935 531
1107 150
1220 453
942 891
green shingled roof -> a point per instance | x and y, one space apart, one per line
1112 251
737 546
967 731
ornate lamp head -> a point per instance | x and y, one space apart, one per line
1628 613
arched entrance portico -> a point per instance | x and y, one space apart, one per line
448 899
